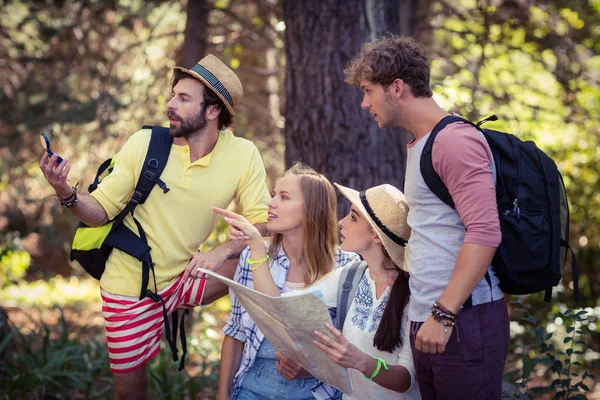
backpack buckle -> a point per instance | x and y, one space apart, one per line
150 175
154 296
162 185
153 163
137 196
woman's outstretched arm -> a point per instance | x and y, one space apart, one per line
241 229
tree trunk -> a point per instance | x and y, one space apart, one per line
196 26
325 125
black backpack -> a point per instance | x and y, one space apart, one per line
533 208
92 245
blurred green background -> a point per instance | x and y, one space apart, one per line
90 73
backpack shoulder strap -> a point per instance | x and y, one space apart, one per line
154 164
431 178
101 169
347 286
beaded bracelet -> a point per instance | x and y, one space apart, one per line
437 313
70 201
444 322
437 310
439 306
379 363
258 263
444 316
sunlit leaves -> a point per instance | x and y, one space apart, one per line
13 265
259 22
538 16
572 17
221 4
13 14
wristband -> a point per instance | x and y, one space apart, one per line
258 263
379 363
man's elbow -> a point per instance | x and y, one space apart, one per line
96 222
488 237
91 212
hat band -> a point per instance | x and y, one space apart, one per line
213 82
397 239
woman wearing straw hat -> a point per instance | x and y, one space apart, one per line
374 341
304 248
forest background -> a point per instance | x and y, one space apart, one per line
90 73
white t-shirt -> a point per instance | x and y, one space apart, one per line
360 326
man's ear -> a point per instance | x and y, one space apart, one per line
212 112
397 88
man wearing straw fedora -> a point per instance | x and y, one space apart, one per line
459 320
207 165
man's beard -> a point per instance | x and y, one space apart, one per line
186 127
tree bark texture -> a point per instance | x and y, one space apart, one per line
196 26
325 125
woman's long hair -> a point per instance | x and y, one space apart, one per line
319 222
389 332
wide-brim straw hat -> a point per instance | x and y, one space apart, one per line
385 209
219 78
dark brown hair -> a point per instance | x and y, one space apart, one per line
389 58
210 99
389 332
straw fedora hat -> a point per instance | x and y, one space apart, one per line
219 78
385 209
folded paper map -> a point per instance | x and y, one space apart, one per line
289 323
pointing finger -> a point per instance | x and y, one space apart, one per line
227 213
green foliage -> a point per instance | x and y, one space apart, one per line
48 364
70 291
14 262
166 382
558 358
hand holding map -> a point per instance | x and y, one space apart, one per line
289 323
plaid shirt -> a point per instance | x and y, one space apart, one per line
241 327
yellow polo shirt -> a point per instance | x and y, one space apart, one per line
176 223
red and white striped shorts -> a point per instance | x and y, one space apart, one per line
134 327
